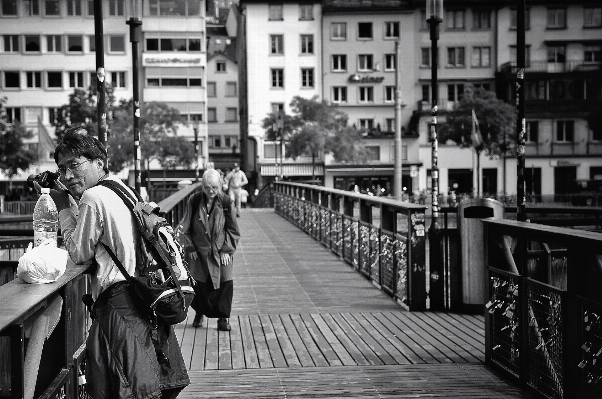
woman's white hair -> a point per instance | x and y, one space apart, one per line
212 176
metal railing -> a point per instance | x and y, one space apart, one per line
62 361
542 324
391 252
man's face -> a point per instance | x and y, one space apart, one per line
79 173
211 188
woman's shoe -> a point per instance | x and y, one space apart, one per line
223 324
198 320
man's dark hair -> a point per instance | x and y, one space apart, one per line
77 142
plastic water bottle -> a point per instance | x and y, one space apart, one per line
45 219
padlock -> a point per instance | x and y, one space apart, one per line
81 380
586 347
582 364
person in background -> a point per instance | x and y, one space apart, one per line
236 179
124 356
244 197
209 235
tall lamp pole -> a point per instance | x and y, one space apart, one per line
135 29
434 15
100 73
521 212
195 127
397 184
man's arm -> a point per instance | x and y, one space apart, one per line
80 233
243 180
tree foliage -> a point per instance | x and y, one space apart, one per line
317 127
14 156
496 121
158 124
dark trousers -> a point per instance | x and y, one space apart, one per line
212 302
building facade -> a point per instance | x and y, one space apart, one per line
48 50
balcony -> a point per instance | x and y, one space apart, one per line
552 67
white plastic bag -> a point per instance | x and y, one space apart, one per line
42 264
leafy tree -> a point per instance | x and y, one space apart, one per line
13 154
316 127
496 121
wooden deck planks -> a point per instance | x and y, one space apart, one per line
306 325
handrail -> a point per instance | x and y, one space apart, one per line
543 320
172 207
392 254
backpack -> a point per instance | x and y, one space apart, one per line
164 286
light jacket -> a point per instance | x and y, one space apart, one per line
209 235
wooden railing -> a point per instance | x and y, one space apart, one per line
390 252
28 313
543 319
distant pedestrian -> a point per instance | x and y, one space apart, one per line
236 179
244 197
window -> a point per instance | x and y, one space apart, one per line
367 124
527 55
277 107
90 8
307 78
194 45
532 132
93 79
454 19
12 80
92 42
277 77
455 92
32 43
481 56
307 44
174 8
426 93
116 44
592 54
152 44
231 114
390 125
481 19
31 7
173 44
556 18
74 7
390 62
391 30
76 79
34 80
211 115
306 12
365 62
275 11
75 44
231 89
372 151
118 79
514 18
54 43
592 17
52 7
276 44
455 56
389 94
535 89
425 57
211 89
364 30
215 141
338 31
557 54
13 114
366 94
565 131
220 66
9 8
339 62
54 80
53 115
116 8
339 94
11 43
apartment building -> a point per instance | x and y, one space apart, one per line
48 50
283 48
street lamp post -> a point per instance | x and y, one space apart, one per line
434 15
100 72
195 127
135 29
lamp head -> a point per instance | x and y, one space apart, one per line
434 9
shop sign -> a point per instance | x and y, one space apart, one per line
355 78
171 60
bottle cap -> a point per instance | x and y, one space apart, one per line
45 190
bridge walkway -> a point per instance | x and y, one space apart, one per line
306 325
